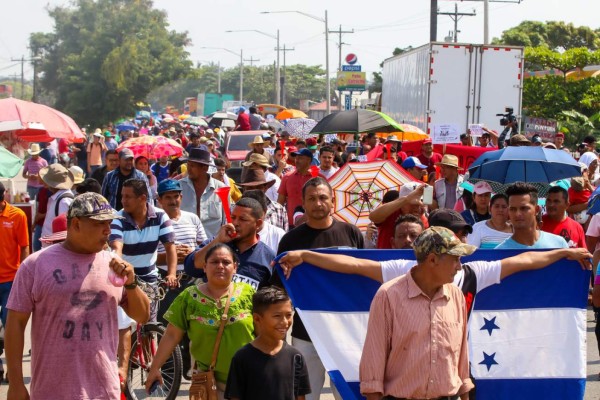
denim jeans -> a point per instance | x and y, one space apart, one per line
4 292
37 234
33 192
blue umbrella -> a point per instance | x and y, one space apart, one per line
524 164
126 126
594 202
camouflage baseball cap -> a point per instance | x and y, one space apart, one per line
440 240
92 205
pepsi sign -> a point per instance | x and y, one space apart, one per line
351 59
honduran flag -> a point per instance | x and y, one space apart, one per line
527 335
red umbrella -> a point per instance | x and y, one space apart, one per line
152 147
34 122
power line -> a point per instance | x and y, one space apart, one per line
456 16
340 32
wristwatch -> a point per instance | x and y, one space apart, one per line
133 284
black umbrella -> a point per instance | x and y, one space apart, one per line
356 121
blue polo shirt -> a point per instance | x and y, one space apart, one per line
254 269
140 245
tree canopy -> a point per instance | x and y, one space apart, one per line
302 82
554 35
104 56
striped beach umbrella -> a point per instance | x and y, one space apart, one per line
358 189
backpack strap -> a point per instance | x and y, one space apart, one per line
65 195
469 287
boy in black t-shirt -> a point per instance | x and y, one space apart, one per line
267 367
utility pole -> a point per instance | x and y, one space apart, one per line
219 77
22 60
340 43
283 91
252 60
486 11
456 16
241 74
433 21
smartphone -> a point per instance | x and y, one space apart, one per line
428 195
154 386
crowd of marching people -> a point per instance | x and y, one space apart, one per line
105 214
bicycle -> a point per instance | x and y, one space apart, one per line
144 343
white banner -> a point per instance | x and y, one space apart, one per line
446 133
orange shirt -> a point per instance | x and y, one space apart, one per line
14 234
416 347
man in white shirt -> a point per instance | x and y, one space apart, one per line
269 234
59 180
326 156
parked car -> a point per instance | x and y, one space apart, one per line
235 150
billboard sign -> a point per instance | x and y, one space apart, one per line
354 81
546 128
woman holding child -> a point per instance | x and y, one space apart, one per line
198 311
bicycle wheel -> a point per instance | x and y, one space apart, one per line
136 374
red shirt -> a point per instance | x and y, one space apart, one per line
568 228
243 121
430 162
63 146
385 229
291 187
42 203
580 197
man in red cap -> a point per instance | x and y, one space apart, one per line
559 141
429 158
311 144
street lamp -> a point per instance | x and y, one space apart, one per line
277 70
328 81
241 56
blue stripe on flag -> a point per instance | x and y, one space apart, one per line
348 390
528 389
569 293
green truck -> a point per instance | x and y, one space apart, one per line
210 102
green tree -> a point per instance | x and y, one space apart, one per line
554 35
576 126
302 82
105 56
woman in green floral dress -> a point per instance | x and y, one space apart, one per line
198 310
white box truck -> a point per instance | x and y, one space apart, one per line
452 83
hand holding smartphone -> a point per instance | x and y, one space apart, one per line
428 195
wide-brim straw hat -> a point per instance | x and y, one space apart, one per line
257 140
449 160
57 177
256 177
34 149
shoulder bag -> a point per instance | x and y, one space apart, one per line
204 384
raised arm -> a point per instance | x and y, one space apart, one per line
381 213
332 262
541 259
